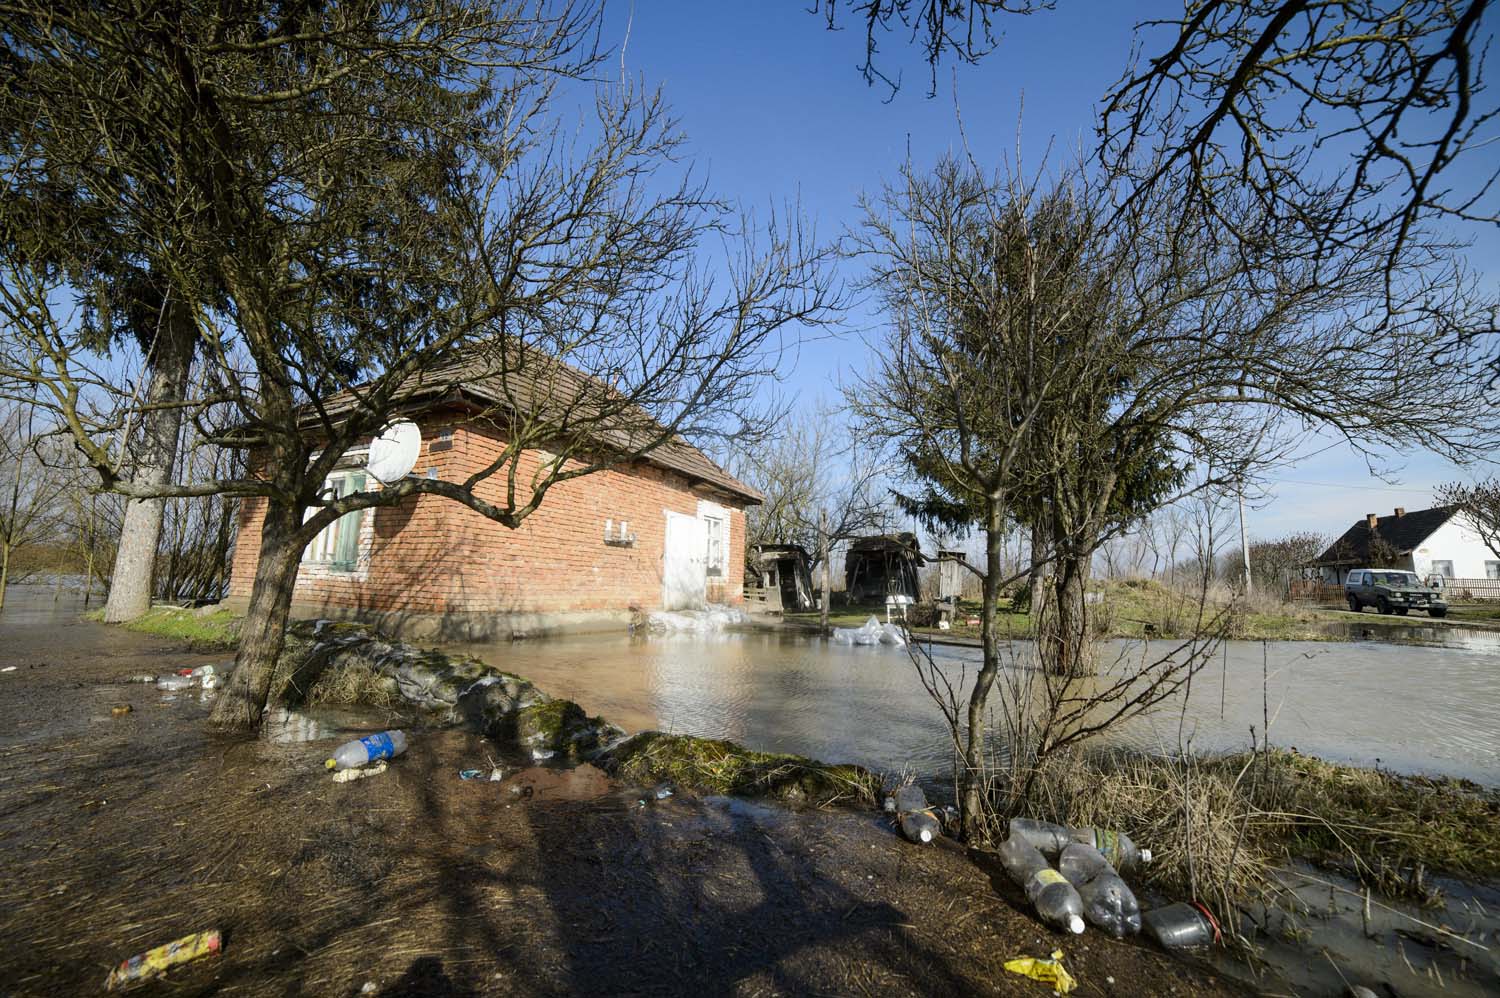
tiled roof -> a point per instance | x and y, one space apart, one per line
548 387
1404 533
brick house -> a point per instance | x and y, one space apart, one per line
664 532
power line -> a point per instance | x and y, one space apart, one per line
1339 485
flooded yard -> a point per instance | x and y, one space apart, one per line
122 832
1410 708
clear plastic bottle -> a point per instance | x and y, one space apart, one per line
1180 926
920 826
1123 854
1055 900
1079 863
368 749
1021 859
1109 903
1044 835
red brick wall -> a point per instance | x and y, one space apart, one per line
433 555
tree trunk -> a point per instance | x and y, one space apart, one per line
1072 645
4 570
170 362
263 632
971 782
827 568
1036 581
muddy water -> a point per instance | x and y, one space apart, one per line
1321 938
1432 709
1411 708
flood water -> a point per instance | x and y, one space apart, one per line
1409 708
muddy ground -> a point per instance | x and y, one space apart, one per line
120 833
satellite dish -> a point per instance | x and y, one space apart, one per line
394 452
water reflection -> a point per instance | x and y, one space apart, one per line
1414 709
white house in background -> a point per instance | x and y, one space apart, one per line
1438 541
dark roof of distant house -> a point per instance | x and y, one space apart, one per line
1404 533
543 381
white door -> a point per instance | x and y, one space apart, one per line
684 563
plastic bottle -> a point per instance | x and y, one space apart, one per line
920 826
368 749
1079 863
1109 904
1055 900
1047 836
910 798
1021 859
1180 926
1123 854
156 962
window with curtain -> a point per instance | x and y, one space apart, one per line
337 545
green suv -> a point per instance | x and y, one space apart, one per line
1391 591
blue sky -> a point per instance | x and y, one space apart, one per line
774 109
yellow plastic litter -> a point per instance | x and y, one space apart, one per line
155 962
1047 971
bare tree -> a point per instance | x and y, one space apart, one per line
963 29
388 212
1047 359
1273 562
1345 121
119 266
1480 504
821 487
32 487
92 526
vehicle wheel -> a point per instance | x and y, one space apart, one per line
1401 611
1353 605
1383 606
1437 613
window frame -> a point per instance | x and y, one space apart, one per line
336 547
1439 572
1491 569
710 568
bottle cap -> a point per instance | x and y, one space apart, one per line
1075 924
331 763
1145 855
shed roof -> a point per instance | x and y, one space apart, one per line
902 544
1404 533
775 551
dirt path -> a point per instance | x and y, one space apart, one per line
117 834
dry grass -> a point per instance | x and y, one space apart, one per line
1218 824
354 682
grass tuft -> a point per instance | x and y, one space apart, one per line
215 630
722 767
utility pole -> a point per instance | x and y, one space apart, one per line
1244 540
823 554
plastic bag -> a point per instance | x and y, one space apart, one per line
1049 971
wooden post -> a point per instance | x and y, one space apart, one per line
827 568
